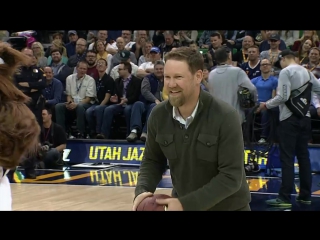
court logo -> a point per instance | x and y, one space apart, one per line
65 156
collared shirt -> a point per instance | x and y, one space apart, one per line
176 115
125 84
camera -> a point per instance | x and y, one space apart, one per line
45 147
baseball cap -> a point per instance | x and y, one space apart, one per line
274 37
155 49
1 61
74 32
124 55
286 52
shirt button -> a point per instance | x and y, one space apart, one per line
165 143
208 143
186 136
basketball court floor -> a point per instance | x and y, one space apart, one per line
112 188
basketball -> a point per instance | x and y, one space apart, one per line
150 204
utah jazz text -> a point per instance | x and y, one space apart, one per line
116 153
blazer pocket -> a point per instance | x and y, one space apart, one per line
166 142
206 147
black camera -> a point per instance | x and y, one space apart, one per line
18 43
45 147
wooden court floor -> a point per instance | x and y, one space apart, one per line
56 197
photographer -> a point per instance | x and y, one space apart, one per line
53 142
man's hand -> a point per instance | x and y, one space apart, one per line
173 204
24 84
139 199
123 101
261 107
71 106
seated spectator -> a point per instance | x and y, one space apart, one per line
38 52
55 38
81 50
124 57
127 39
314 62
71 46
127 92
105 89
252 67
185 37
81 94
54 89
60 70
116 59
169 43
204 40
241 56
158 37
102 36
265 45
146 53
140 41
273 53
216 42
303 52
53 142
57 44
148 67
102 53
204 83
151 88
266 86
91 59
289 36
307 34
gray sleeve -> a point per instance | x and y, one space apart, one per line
133 58
284 90
146 90
245 82
315 84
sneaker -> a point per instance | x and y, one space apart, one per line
143 137
262 140
277 202
132 137
303 201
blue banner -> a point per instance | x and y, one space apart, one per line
124 153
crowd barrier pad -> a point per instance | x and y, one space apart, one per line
86 153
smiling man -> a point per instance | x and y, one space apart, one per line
201 138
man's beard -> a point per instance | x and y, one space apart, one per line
177 101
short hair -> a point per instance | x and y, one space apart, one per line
254 46
159 62
127 65
216 34
221 55
102 59
91 51
56 50
83 62
192 57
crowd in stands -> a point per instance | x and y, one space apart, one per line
99 77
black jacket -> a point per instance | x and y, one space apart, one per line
133 89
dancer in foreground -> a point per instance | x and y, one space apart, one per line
19 129
201 137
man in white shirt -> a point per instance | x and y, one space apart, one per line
124 57
81 92
148 67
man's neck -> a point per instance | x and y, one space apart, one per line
276 49
101 74
47 124
49 81
57 63
314 63
187 109
92 66
79 77
265 75
253 62
125 77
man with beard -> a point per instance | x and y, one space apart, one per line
81 49
91 59
193 131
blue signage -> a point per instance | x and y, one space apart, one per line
124 153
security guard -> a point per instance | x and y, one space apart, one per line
30 80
